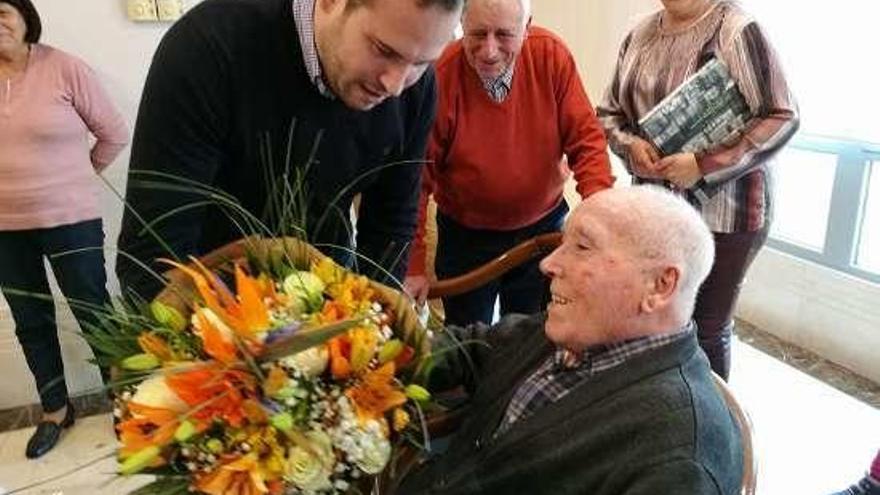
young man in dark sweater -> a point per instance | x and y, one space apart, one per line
609 392
323 99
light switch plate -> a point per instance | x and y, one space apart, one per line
142 10
170 10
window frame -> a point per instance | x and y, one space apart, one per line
848 199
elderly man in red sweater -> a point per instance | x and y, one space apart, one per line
511 106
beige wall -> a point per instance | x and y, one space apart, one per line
593 30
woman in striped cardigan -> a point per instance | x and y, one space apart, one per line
729 183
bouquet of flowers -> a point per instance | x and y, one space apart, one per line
272 371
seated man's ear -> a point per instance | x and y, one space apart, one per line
662 290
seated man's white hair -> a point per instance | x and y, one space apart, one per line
665 230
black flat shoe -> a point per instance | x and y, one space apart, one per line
47 434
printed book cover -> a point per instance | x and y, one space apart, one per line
704 111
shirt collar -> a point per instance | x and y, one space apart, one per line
304 17
608 355
499 87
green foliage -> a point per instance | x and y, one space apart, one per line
166 485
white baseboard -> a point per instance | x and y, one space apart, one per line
828 312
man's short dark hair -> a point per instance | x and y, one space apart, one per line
33 26
447 5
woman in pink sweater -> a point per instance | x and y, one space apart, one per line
49 104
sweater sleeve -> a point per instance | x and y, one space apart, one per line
390 207
757 70
463 352
617 125
177 148
97 111
583 140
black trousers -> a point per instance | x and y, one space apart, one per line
82 279
716 300
461 249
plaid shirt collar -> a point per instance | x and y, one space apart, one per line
499 87
304 17
606 356
562 371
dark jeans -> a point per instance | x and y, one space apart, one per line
461 249
80 276
716 300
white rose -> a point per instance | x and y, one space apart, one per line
305 286
375 454
310 469
311 362
155 392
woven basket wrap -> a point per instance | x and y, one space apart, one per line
180 291
180 294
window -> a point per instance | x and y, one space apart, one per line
869 242
803 182
828 204
827 181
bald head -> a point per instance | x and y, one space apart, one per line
494 33
663 230
630 264
522 7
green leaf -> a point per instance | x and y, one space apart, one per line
417 393
165 485
305 339
168 316
139 460
185 431
140 362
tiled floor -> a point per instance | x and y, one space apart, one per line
811 439
82 464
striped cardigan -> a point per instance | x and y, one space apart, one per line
734 193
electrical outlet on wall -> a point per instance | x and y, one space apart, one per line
142 10
169 10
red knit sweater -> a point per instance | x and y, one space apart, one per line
499 165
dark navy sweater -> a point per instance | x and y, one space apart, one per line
228 103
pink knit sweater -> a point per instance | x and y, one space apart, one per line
47 169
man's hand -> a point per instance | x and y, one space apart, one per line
417 287
643 158
681 169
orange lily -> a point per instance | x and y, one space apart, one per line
215 392
240 476
247 314
151 343
340 352
148 426
252 309
332 312
353 293
275 380
213 341
376 393
363 347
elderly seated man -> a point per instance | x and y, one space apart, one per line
608 393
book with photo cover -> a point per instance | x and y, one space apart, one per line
703 112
